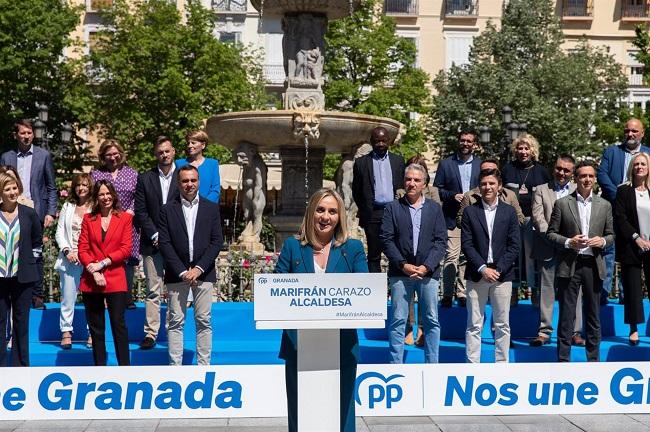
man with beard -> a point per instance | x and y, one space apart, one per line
154 188
376 178
455 176
611 173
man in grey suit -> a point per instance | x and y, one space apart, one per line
36 170
544 251
581 227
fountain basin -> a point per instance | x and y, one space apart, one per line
270 130
334 9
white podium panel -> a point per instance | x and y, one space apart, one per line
330 300
318 305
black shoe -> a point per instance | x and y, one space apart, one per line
147 343
577 340
539 341
445 302
462 301
37 303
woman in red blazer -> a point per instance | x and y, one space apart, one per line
104 246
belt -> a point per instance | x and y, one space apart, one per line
584 257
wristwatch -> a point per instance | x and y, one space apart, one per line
66 252
402 264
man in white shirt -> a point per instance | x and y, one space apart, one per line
189 239
154 189
490 241
581 227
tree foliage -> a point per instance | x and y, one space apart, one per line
372 70
564 97
156 72
33 70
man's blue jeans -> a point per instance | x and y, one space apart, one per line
401 292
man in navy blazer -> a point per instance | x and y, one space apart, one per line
154 189
376 178
36 170
611 174
490 242
414 239
455 176
189 239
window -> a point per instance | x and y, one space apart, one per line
458 45
230 37
97 5
635 69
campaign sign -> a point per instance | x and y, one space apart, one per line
320 297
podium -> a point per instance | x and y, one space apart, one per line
318 306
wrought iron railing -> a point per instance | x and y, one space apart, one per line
578 8
461 8
632 9
401 7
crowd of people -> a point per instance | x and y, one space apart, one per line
478 227
113 216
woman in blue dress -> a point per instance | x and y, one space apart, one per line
209 181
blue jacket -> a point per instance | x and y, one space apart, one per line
611 173
474 240
397 237
347 258
448 182
42 184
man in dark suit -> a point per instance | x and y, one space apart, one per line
611 174
36 170
376 178
414 238
490 241
455 176
189 239
581 227
154 189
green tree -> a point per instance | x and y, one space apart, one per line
372 70
565 97
157 72
34 35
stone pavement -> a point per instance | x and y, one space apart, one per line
519 423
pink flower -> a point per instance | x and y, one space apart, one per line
246 264
63 193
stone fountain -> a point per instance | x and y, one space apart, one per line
303 131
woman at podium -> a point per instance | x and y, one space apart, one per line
322 246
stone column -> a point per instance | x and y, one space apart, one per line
294 196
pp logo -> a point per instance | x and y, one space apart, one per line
379 391
262 280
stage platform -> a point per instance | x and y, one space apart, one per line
236 341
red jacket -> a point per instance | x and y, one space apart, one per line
117 247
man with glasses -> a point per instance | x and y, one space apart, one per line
611 173
455 176
545 253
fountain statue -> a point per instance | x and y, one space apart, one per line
254 173
303 131
343 179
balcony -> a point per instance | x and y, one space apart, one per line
273 74
635 11
461 8
97 5
577 10
229 6
401 7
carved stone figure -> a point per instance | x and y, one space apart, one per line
343 179
253 188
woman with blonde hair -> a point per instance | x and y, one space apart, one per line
113 168
67 264
632 225
209 181
21 244
323 246
522 176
